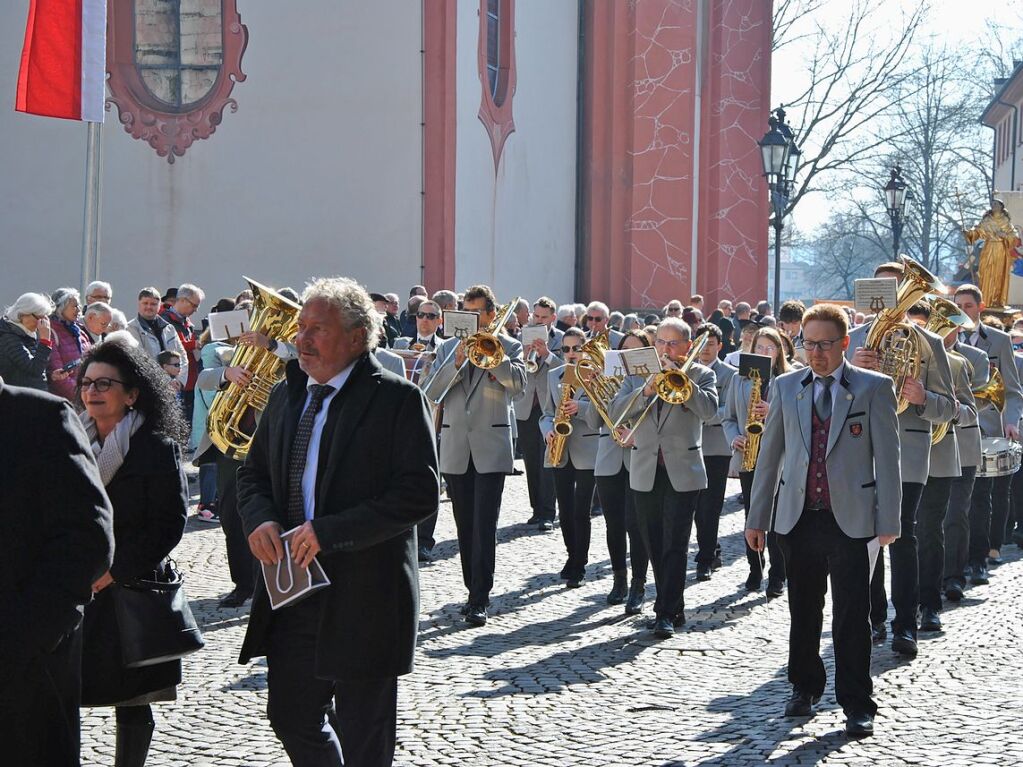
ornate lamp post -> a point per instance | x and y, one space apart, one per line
779 155
897 194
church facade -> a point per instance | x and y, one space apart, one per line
580 149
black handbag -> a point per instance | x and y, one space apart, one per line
154 620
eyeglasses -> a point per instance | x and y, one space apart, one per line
97 297
824 346
193 303
598 318
768 349
571 347
99 384
674 310
670 344
427 315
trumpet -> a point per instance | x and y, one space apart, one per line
672 386
483 349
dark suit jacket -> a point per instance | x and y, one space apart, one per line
56 521
377 478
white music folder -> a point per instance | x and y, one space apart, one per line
287 583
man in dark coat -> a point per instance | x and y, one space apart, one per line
58 541
345 453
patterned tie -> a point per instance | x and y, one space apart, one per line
823 404
299 449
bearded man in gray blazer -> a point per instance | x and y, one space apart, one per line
476 445
667 471
830 451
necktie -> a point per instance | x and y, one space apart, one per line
823 404
299 448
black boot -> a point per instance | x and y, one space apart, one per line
619 588
637 593
133 743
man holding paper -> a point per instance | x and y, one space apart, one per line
830 451
344 456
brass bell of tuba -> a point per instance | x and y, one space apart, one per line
231 422
946 317
993 391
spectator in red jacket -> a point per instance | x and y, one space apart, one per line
70 342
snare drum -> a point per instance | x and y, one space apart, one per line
1000 458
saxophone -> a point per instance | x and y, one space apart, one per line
754 426
562 422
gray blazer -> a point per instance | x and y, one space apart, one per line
714 440
536 383
390 361
968 436
677 433
610 457
947 455
477 419
998 348
582 442
862 455
152 345
915 421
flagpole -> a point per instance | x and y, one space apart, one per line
90 216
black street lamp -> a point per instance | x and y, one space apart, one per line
897 194
779 155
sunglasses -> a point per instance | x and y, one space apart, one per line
571 347
427 315
99 384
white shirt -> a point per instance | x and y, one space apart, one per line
818 384
313 454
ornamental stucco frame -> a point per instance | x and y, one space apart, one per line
143 116
497 120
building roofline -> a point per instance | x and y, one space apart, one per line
1016 76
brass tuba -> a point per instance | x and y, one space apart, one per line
232 418
946 318
754 426
896 341
993 391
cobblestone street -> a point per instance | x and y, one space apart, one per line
557 677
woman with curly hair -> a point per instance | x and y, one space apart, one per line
135 427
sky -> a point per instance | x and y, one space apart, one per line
956 22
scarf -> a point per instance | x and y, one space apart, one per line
74 330
111 454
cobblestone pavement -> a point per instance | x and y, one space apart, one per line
557 677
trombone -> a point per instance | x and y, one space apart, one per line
673 386
483 349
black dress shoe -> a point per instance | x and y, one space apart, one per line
978 576
573 583
703 572
236 598
637 593
859 725
619 589
476 616
929 620
801 704
715 563
534 520
546 526
1017 538
904 643
878 633
464 609
775 589
953 591
679 620
753 581
663 628
425 555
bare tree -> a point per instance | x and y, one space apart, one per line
786 17
846 249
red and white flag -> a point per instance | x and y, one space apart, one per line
63 63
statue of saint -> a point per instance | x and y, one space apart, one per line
1000 249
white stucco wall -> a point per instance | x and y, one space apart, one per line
516 230
318 172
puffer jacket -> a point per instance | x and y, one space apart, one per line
66 349
23 359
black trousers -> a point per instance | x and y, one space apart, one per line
708 508
931 523
575 491
813 549
957 526
666 523
425 530
476 503
240 562
318 720
622 527
39 719
905 569
989 511
539 480
774 551
1016 502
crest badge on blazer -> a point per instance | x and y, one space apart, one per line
856 429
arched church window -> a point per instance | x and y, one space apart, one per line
172 66
497 70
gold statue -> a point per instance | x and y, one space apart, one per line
1001 247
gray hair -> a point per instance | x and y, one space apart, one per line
29 303
679 326
615 319
117 321
95 285
445 299
580 310
425 301
99 307
631 322
63 296
522 304
598 306
564 310
350 300
392 298
120 336
191 292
